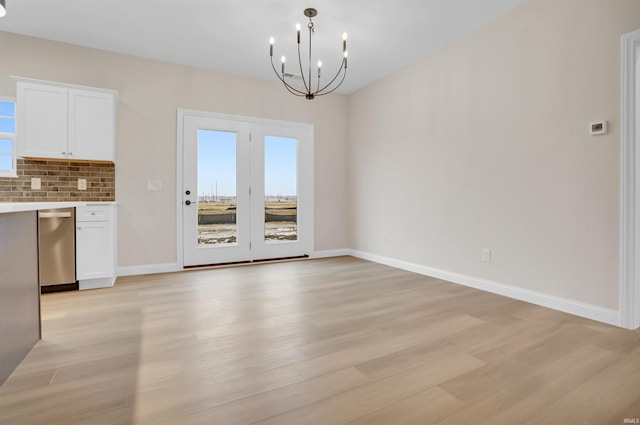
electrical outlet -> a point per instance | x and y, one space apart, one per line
82 184
36 183
486 255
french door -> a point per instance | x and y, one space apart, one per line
247 191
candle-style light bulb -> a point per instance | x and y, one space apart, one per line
298 31
271 41
283 59
344 41
319 68
346 55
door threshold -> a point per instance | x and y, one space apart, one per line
246 263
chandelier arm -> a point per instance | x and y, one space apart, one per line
304 81
335 88
334 78
293 90
287 85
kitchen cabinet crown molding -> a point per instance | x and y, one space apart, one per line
67 86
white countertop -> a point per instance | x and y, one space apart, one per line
9 207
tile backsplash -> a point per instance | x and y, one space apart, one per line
59 181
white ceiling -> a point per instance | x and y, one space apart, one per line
233 35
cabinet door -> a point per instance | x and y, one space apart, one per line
42 121
94 250
91 125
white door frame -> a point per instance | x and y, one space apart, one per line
630 183
195 254
181 113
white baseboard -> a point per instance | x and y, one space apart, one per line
105 282
576 308
327 253
148 269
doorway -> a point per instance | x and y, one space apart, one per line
246 189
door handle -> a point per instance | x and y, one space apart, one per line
187 202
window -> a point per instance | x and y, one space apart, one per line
7 138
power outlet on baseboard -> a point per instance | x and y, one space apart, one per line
486 255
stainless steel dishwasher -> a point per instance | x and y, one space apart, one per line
57 250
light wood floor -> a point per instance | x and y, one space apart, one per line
322 342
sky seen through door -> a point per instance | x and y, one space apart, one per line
217 164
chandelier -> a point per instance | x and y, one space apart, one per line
308 89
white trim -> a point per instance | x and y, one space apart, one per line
179 185
149 269
630 186
105 282
588 311
328 253
243 118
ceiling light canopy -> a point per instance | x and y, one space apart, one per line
308 89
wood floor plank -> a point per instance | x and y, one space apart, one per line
328 341
429 406
268 404
368 398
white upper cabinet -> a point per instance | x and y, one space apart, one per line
65 122
41 121
91 125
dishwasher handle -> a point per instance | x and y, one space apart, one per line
54 215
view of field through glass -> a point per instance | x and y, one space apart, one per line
281 184
217 206
217 184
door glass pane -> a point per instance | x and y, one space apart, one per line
281 185
217 188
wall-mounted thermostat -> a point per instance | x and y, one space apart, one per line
597 128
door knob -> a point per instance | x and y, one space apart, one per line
187 202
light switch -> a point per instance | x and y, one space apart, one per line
82 184
36 183
154 185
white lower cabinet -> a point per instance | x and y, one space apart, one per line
96 246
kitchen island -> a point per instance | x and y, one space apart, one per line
20 326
